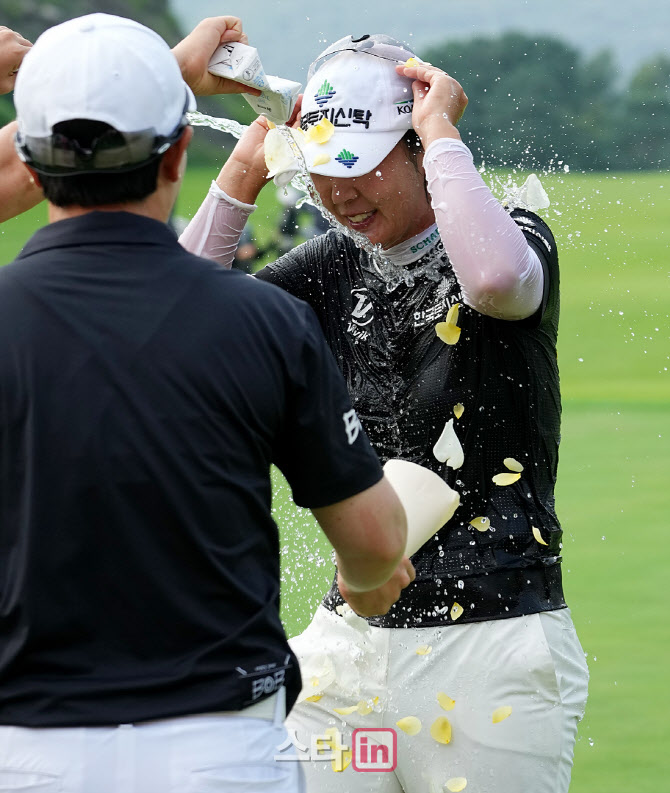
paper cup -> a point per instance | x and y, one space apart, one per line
428 500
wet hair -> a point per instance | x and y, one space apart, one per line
98 189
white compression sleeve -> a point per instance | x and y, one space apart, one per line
216 227
499 272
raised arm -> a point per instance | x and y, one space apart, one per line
215 229
18 191
195 51
499 273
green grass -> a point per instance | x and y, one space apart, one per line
613 496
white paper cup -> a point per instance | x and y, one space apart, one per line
428 500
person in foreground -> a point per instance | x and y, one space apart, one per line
446 340
144 393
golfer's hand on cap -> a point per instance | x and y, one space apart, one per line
439 102
378 601
13 48
195 51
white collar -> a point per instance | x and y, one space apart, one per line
414 249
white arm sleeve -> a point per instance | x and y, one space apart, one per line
216 227
500 274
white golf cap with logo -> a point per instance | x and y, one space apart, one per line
355 86
103 68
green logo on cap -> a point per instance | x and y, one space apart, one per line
347 158
324 93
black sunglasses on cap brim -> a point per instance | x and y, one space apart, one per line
378 45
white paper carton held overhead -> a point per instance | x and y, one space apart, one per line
240 62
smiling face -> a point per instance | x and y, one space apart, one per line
389 204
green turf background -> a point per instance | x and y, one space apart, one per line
613 498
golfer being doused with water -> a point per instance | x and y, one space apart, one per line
447 343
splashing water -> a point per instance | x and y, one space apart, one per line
391 274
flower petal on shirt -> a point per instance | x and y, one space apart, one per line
506 479
538 536
512 464
481 524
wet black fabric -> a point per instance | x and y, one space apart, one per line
144 393
404 383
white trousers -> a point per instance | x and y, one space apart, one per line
211 753
533 665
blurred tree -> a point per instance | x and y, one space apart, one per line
644 118
534 101
32 17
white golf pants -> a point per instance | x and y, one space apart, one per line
533 665
210 753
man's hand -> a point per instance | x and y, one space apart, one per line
439 102
195 52
13 48
379 601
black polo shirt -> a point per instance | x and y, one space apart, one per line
144 393
405 382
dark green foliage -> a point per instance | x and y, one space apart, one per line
537 101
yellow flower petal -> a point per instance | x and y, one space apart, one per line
424 649
321 159
321 132
448 330
346 711
456 784
364 708
512 464
446 703
452 314
538 536
315 681
410 724
458 410
411 62
481 524
314 698
500 714
506 479
456 611
440 730
271 124
449 334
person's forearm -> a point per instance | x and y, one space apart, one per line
18 192
499 273
215 230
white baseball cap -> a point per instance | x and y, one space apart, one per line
103 68
355 86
